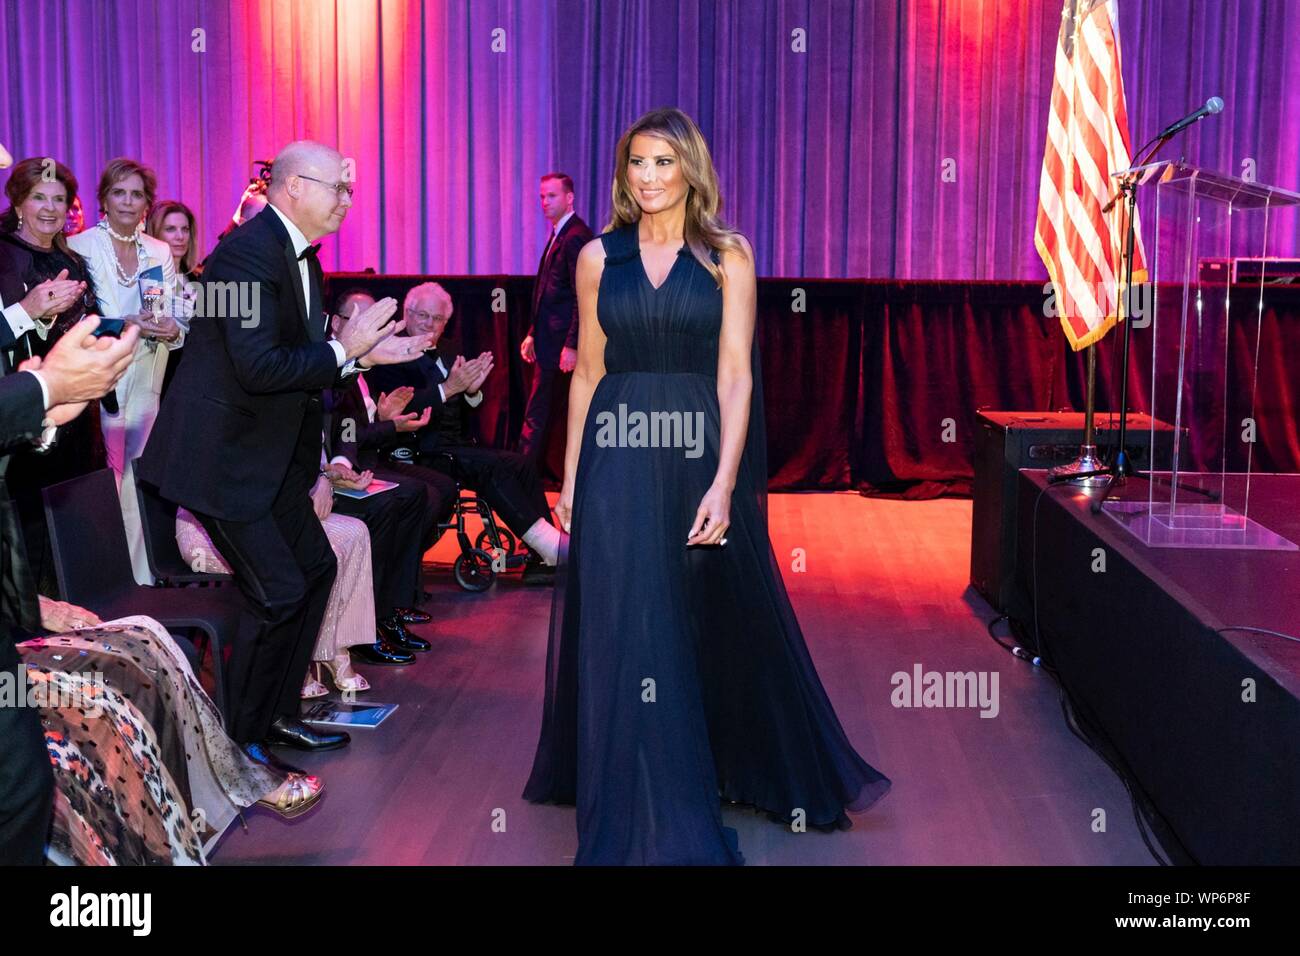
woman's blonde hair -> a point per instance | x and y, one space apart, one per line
703 231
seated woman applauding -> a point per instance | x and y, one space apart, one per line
144 772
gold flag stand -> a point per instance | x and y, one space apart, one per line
1088 466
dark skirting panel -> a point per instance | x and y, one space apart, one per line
1141 651
874 385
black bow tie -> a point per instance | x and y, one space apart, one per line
309 251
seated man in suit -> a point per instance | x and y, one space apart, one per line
506 480
402 522
367 427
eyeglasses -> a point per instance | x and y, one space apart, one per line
339 188
424 316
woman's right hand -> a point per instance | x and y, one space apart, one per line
564 507
59 617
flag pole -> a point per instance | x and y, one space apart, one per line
1087 467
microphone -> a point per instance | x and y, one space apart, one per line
1212 105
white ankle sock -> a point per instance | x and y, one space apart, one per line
544 538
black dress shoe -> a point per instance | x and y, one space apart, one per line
537 571
290 732
261 753
395 635
381 654
410 615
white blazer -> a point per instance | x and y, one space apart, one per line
127 430
115 301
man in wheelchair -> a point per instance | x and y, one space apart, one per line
434 402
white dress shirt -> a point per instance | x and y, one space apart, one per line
48 431
560 224
19 321
301 242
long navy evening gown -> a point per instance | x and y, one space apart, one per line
677 677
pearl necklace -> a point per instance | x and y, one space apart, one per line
130 238
126 281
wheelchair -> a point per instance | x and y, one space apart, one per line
494 550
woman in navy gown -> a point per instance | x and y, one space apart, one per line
677 675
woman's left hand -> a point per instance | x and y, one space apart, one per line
161 327
61 617
712 518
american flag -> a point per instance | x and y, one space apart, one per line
1087 140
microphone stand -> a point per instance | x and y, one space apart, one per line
1122 467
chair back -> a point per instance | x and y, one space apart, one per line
92 562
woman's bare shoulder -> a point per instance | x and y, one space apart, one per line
593 253
591 258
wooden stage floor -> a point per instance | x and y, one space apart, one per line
885 589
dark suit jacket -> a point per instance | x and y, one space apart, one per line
448 422
21 410
349 431
21 413
555 294
246 400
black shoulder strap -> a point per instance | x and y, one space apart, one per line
620 244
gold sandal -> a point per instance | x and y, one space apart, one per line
295 799
342 675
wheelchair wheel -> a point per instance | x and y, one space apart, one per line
484 540
473 570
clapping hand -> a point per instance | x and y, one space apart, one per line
53 296
81 367
396 349
363 330
391 404
467 375
411 422
485 361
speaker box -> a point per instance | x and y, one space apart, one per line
1005 442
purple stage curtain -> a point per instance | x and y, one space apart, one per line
904 142
875 387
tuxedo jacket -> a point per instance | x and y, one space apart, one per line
348 429
555 294
246 400
22 409
449 420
